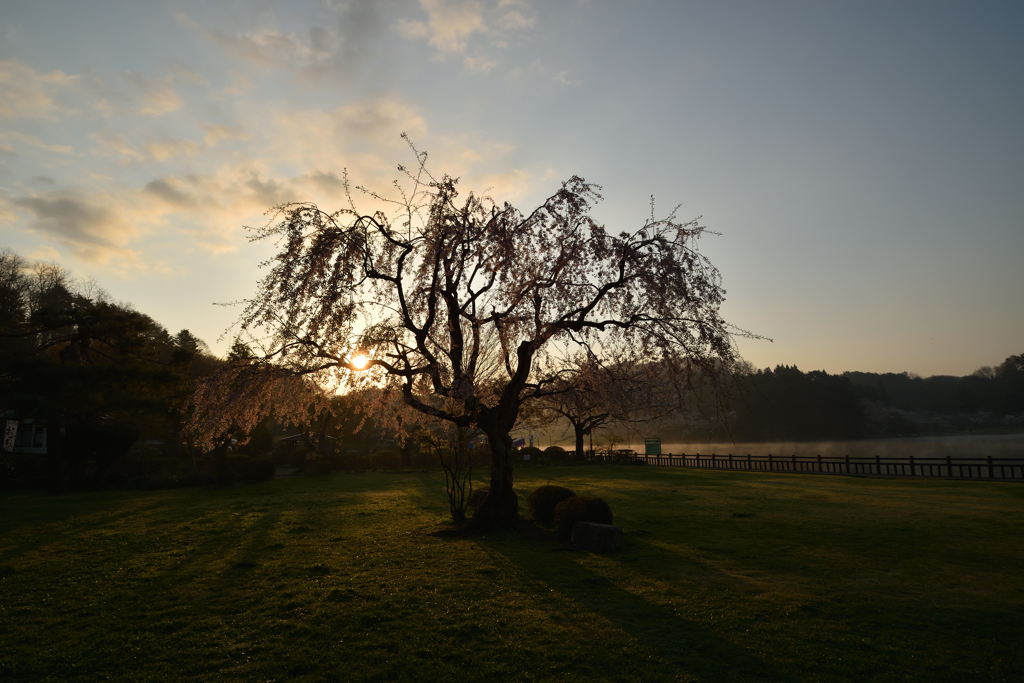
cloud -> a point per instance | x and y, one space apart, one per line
33 141
158 96
270 47
452 24
168 148
43 253
169 192
344 36
355 136
449 24
92 230
216 132
161 147
562 78
517 15
479 63
26 93
115 144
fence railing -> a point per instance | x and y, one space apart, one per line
945 467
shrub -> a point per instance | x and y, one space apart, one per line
199 479
259 469
556 454
322 467
541 503
531 451
477 497
480 456
424 458
351 463
236 463
385 460
580 509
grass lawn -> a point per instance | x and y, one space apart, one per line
726 576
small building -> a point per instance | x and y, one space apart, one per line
29 436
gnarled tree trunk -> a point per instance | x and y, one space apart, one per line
500 509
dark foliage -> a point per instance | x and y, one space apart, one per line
787 404
998 390
556 454
322 467
386 460
542 502
258 469
531 451
580 509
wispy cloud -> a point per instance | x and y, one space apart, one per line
157 94
95 231
34 141
451 26
345 37
216 132
24 92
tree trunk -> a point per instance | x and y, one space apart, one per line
55 456
220 459
579 442
500 509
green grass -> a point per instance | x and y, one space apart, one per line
726 576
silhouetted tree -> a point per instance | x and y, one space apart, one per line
88 368
425 293
787 404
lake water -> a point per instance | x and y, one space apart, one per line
967 445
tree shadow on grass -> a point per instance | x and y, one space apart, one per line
686 647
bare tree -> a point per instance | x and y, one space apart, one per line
593 395
408 301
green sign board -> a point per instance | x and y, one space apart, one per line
652 446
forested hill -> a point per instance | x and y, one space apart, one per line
788 404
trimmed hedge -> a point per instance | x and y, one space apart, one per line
580 509
532 451
541 503
556 454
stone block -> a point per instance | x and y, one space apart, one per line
597 538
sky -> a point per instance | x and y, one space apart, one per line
862 163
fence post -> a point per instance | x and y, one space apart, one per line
819 462
749 464
847 464
878 464
713 465
730 461
949 466
911 465
794 462
771 465
990 474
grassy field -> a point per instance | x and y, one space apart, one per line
726 576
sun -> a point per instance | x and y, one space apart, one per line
359 361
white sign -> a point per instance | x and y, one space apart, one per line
10 432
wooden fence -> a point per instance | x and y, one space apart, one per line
947 467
